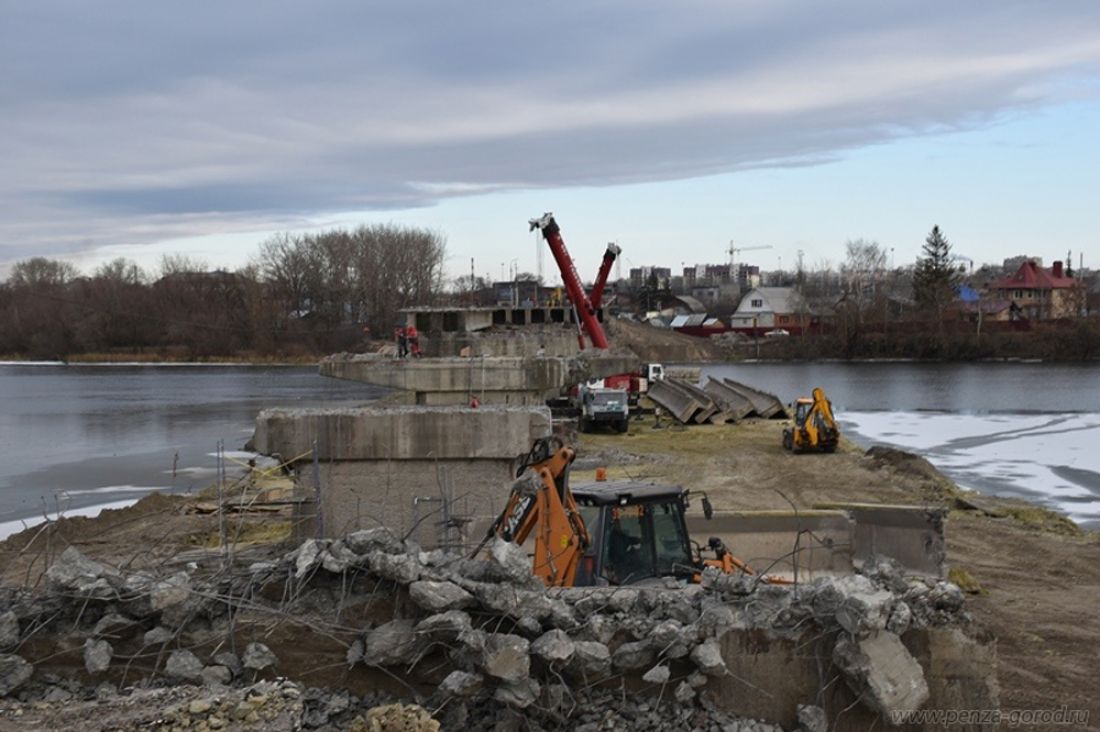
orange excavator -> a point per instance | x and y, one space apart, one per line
604 533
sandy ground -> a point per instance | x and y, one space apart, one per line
1039 577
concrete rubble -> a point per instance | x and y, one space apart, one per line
502 644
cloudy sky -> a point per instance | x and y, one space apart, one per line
675 128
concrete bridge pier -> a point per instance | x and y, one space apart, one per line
431 472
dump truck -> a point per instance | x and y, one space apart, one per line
599 405
604 533
813 426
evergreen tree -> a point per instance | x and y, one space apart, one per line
935 276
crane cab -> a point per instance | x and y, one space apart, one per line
638 533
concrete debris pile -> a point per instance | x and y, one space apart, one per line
481 639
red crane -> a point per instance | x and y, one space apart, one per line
584 306
605 269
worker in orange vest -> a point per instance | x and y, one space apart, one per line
414 341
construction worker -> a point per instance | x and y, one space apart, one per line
413 337
402 342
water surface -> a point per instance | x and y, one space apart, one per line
77 436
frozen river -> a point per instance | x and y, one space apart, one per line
75 437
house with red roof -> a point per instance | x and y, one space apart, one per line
1036 293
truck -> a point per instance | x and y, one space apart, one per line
600 405
636 383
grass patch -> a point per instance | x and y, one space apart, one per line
249 534
1043 519
965 581
695 440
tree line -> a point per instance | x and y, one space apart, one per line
300 294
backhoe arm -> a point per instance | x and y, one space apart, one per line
541 502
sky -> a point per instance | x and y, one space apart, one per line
678 130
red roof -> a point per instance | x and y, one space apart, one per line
1031 276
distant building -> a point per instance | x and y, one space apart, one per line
768 308
1040 294
1012 264
640 276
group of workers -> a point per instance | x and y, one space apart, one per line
408 342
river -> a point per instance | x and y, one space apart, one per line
80 436
76 437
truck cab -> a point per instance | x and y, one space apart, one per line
602 406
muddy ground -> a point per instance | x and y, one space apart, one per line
1036 578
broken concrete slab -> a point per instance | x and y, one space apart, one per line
9 630
520 694
462 684
257 656
444 625
882 671
97 656
592 658
14 672
633 656
184 665
554 646
507 657
391 643
75 573
659 674
707 656
439 596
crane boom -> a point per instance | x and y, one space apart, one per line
601 278
586 311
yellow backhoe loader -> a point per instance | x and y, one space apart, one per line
814 427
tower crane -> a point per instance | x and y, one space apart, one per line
733 250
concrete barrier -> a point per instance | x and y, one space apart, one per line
913 535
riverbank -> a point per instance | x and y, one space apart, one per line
1034 576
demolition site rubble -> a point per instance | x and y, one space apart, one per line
472 642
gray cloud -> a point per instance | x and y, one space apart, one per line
133 122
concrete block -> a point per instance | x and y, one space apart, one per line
402 433
882 672
911 535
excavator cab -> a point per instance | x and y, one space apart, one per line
638 533
603 533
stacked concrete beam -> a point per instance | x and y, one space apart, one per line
680 404
733 403
391 466
764 404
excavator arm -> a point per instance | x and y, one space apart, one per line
541 503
